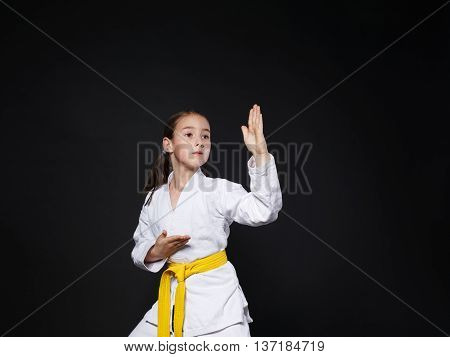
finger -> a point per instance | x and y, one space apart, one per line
244 132
255 113
178 238
250 123
177 244
182 238
257 118
163 234
180 244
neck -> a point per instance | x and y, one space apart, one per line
181 175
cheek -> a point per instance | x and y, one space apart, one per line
183 152
207 152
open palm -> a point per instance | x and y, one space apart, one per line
253 134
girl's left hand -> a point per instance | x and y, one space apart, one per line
253 134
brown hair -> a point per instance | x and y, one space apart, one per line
161 167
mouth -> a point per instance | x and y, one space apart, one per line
197 153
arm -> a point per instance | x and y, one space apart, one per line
262 204
144 240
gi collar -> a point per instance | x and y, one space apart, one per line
192 184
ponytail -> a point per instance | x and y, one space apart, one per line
158 174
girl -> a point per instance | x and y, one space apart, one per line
185 222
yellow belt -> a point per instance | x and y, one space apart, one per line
182 271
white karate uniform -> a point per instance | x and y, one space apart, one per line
214 302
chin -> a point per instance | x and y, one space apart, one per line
198 164
194 164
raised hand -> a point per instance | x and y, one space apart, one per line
253 134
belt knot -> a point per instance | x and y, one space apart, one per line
181 271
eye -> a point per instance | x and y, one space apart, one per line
207 136
188 134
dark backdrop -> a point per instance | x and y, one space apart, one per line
378 168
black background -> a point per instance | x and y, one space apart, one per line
379 167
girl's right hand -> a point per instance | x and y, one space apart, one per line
166 246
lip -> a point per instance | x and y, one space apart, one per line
197 153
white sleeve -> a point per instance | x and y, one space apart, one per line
258 207
144 240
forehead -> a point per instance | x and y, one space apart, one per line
193 120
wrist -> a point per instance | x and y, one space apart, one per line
152 255
261 159
263 154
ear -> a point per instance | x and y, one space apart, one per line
167 145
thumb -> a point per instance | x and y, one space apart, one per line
244 131
164 233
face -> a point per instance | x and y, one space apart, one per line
191 141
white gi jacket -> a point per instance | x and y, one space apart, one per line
205 210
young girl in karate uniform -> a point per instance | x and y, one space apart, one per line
185 222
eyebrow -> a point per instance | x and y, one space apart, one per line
191 127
